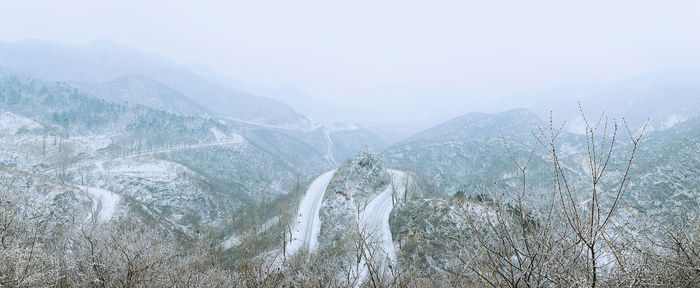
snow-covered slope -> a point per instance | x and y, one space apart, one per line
103 61
468 152
135 89
181 173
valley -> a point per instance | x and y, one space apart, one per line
139 155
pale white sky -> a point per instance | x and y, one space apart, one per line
353 51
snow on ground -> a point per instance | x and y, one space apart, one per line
235 138
672 120
217 134
340 126
10 123
146 167
222 137
374 221
231 241
294 127
104 201
375 216
329 149
308 224
231 140
91 144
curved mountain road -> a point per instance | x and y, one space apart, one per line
374 221
308 224
93 161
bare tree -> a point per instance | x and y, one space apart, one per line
519 239
394 188
24 255
63 158
510 242
408 184
589 221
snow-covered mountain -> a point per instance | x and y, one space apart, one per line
145 143
662 97
135 89
666 174
434 234
104 61
183 171
468 152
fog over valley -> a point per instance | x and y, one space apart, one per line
349 144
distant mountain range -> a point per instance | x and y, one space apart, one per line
104 61
136 89
468 153
662 97
105 127
178 150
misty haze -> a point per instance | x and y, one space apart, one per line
349 143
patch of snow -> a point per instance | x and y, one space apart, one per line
231 241
340 126
10 123
672 120
220 136
508 175
93 143
154 168
260 124
107 202
235 138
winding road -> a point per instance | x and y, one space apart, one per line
374 221
104 203
329 149
95 160
308 224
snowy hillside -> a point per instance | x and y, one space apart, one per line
134 161
469 152
136 89
104 61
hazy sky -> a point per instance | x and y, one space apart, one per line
385 50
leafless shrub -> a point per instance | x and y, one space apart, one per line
556 240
